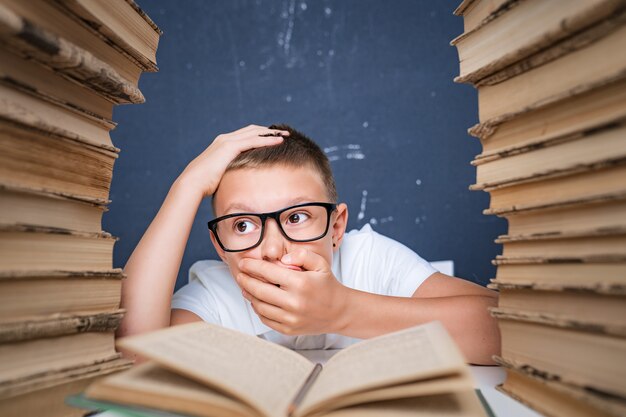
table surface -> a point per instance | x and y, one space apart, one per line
485 377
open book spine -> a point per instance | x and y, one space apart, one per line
553 162
205 369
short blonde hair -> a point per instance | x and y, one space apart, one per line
295 151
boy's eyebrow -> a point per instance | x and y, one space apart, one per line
242 207
238 207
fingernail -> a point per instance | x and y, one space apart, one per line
286 259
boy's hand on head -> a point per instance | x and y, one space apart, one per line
294 302
205 172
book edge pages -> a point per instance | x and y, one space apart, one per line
594 399
92 72
564 322
590 24
48 380
59 324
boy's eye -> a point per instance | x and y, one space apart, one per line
296 218
244 226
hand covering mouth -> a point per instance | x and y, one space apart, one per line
293 267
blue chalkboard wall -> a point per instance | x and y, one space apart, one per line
370 81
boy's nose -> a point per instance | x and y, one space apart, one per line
273 244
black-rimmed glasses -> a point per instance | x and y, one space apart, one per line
306 222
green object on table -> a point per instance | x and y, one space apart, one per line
80 401
485 404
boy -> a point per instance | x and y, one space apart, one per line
290 273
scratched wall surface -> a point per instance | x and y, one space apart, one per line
370 81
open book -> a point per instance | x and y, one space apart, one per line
205 370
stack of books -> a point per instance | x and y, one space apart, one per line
64 64
551 80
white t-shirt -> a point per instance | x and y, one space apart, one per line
366 261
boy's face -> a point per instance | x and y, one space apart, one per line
263 190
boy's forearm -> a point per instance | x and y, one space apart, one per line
465 317
153 266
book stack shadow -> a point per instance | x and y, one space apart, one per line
64 65
551 81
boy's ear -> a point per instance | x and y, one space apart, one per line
338 227
218 248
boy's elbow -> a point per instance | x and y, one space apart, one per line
480 337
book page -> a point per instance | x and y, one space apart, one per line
148 385
406 356
264 375
461 404
433 386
